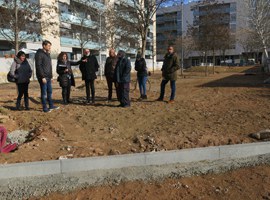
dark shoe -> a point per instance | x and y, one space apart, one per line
144 96
126 106
159 99
46 110
27 108
26 104
54 108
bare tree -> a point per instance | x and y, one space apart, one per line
259 20
211 30
20 21
141 14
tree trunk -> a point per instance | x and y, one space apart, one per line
144 40
214 59
16 27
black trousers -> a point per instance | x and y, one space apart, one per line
123 92
66 92
110 82
90 84
22 91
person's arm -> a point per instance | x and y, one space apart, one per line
144 65
127 69
39 66
60 70
13 69
30 71
96 64
176 64
74 63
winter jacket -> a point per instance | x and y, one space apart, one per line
140 67
122 70
110 66
21 71
89 68
64 77
43 64
170 66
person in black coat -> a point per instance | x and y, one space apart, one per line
65 78
88 67
109 72
140 67
122 78
22 72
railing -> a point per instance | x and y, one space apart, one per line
93 4
65 17
75 43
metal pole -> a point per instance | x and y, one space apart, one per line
182 31
99 39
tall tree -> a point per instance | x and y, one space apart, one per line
141 13
259 21
20 21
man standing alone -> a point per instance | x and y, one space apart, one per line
169 73
88 67
44 75
122 77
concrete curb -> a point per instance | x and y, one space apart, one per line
59 167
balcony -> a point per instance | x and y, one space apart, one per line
23 36
94 4
68 18
70 42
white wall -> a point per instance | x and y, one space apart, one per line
5 64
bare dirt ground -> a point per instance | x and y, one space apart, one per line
246 184
220 109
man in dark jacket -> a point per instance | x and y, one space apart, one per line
109 71
44 75
88 67
122 78
169 73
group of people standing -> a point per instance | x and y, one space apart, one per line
117 73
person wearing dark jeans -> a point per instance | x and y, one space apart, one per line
90 84
43 63
122 77
162 90
109 72
88 67
140 67
22 72
46 94
169 73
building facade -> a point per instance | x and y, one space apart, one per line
77 24
231 15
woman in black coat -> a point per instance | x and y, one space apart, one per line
65 78
22 72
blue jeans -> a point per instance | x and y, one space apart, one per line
46 91
142 84
162 89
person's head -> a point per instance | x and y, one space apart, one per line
170 49
121 54
46 45
86 52
21 55
139 55
62 56
112 53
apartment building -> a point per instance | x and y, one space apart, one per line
234 17
83 24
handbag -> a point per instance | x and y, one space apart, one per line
10 77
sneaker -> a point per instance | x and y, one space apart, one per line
171 101
54 108
46 110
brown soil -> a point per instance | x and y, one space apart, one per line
250 183
219 109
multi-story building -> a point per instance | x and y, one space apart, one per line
233 16
82 23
